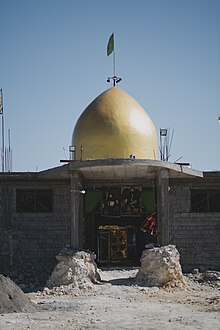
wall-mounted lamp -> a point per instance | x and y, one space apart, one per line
81 153
79 191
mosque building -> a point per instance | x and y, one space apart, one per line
114 196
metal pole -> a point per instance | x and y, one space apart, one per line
3 145
3 134
9 151
114 63
114 75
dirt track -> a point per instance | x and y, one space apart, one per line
118 303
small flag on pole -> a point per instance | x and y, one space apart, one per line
110 46
1 102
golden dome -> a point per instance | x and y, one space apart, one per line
114 125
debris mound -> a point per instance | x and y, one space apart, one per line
160 267
13 299
31 276
208 277
75 270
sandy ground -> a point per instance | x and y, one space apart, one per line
119 303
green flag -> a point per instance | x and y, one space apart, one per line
110 46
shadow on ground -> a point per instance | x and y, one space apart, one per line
31 277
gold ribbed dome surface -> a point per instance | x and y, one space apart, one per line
114 125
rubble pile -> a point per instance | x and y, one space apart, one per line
31 276
13 299
75 270
160 267
208 277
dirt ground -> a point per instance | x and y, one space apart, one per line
119 303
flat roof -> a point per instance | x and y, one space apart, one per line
131 168
114 168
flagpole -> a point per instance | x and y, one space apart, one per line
110 50
3 133
114 67
114 70
114 62
3 144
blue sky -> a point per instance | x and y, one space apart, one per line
53 63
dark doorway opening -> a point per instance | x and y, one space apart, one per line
113 217
115 240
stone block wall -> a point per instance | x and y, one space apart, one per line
29 237
26 237
196 235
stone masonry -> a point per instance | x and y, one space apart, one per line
33 236
28 237
196 235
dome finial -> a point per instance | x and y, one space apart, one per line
111 49
115 80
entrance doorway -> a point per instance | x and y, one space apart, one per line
113 221
116 243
